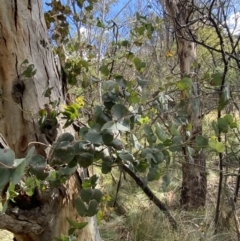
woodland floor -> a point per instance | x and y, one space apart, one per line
134 218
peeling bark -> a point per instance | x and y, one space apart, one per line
23 36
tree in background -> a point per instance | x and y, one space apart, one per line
194 181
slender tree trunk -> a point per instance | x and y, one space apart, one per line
193 172
23 36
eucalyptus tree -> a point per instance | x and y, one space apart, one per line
40 191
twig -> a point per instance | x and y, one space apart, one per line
151 195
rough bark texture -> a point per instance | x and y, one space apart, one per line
194 174
23 36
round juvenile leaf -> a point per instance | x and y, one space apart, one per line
117 144
228 118
18 171
158 157
212 143
97 195
153 174
86 194
65 137
92 208
119 111
216 79
201 141
114 126
63 153
223 125
80 206
85 159
94 137
107 136
7 157
37 166
219 147
107 165
109 85
81 146
104 70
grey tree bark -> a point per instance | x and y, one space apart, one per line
23 36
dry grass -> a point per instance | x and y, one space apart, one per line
142 221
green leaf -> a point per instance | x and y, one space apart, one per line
212 142
126 156
153 174
234 125
80 206
85 159
65 137
120 81
5 174
166 180
7 157
201 141
114 126
71 231
106 166
135 142
81 146
109 85
140 66
107 136
63 153
86 194
30 155
18 171
104 70
141 82
92 208
185 83
97 195
37 167
117 144
224 98
220 147
77 225
119 111
216 79
30 71
100 24
125 43
158 156
160 132
215 128
93 136
229 119
222 125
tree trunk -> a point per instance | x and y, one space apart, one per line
23 36
194 182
